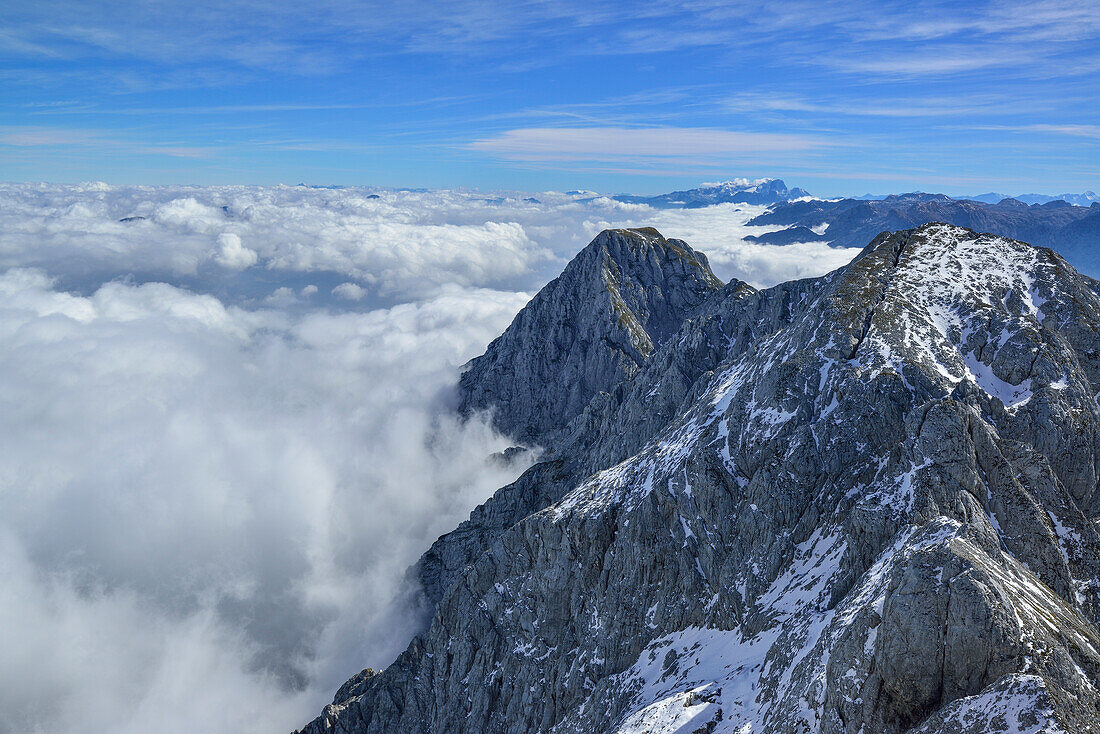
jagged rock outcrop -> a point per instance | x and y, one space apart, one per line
587 331
623 280
872 508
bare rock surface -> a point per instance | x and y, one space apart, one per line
587 331
858 503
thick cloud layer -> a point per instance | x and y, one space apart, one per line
226 430
203 506
243 243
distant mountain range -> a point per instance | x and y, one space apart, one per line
1069 223
1084 199
1074 231
737 191
774 190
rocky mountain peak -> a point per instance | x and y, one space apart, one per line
737 191
586 331
861 502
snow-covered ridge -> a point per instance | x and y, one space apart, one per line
871 508
744 191
737 184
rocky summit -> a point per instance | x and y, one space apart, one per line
587 331
855 504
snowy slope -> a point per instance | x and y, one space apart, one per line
873 510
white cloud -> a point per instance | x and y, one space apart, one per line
204 504
774 32
1081 131
947 60
24 136
232 254
404 245
618 143
78 659
877 106
349 292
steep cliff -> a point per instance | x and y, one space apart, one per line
858 503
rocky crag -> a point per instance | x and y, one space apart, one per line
576 338
864 502
588 330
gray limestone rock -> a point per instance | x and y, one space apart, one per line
586 331
858 503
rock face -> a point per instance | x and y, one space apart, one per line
787 236
739 191
1074 231
580 338
858 503
587 331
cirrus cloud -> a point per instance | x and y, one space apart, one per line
619 143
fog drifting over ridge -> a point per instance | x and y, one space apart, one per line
227 431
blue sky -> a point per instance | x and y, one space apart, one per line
838 97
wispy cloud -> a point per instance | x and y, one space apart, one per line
618 143
872 105
77 108
651 105
327 35
1080 131
1014 21
1085 131
36 136
934 61
770 84
51 137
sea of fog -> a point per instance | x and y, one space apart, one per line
226 430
